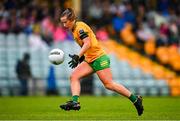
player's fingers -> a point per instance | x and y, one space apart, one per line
71 56
70 62
75 65
71 65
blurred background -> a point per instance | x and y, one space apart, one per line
142 38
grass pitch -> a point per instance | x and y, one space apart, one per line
92 108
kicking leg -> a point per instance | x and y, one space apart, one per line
105 76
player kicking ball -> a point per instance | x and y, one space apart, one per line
90 59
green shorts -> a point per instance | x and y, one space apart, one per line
100 63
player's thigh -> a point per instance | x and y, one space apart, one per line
82 70
105 75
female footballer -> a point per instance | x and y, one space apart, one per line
95 61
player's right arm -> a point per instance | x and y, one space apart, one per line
86 44
80 57
85 47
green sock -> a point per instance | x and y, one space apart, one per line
133 98
75 98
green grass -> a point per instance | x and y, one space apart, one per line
93 108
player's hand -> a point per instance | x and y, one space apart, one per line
74 61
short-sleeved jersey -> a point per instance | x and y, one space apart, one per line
95 49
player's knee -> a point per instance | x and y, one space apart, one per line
109 85
74 77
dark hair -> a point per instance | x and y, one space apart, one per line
69 13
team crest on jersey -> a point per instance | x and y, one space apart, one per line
104 63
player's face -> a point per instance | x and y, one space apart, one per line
66 23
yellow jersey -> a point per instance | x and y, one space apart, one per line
81 31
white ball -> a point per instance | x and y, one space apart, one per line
56 56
